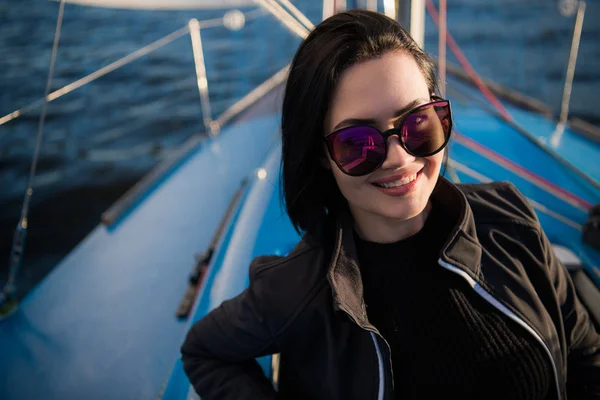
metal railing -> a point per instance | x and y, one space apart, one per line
115 212
7 295
204 24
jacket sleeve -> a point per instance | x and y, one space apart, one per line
219 351
583 342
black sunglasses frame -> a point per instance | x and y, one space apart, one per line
398 132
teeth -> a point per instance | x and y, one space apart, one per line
400 182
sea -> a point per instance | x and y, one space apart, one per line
101 138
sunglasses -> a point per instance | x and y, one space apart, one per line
423 131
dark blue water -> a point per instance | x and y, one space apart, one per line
102 138
525 46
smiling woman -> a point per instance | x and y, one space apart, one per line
404 285
395 184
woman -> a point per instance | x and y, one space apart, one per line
404 285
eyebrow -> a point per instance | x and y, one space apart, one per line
370 121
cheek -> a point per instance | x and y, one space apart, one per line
434 164
348 185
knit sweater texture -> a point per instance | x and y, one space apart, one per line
445 339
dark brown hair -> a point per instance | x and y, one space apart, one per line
310 191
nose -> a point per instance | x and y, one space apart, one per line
396 156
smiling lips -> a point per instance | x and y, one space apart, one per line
396 180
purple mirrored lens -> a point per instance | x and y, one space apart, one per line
357 150
425 130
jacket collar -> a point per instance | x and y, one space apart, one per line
462 249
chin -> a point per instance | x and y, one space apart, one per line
403 209
372 203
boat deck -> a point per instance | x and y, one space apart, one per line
102 325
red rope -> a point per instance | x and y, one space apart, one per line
467 66
442 48
524 173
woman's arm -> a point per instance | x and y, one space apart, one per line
220 349
583 342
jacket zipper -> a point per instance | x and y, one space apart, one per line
502 308
380 364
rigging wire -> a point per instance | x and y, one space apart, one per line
7 297
501 111
204 24
8 302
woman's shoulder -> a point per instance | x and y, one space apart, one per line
499 202
284 284
303 253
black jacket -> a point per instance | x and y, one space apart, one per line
309 307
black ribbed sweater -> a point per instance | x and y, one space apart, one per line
445 339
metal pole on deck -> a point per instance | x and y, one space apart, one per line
411 15
329 8
211 126
566 99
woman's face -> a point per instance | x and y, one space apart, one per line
375 91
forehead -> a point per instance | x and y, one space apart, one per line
377 89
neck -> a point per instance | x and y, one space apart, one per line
386 230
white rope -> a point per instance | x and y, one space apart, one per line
298 14
284 17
